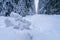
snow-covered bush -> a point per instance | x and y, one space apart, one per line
17 22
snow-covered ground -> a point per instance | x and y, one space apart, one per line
43 27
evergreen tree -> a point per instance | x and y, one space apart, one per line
53 7
23 7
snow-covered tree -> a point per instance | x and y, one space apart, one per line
22 7
53 7
49 7
41 6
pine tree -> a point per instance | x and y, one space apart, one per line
23 7
53 7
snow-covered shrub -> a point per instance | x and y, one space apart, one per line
18 22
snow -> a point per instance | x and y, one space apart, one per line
10 34
45 27
42 27
15 15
